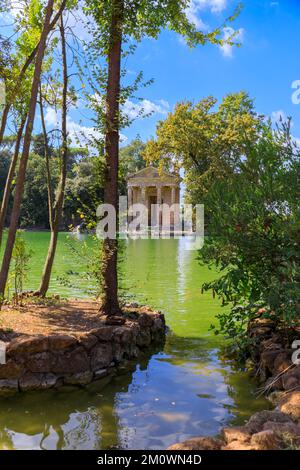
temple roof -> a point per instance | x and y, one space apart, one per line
151 172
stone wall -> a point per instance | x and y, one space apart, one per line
40 362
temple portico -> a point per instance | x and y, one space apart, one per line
158 192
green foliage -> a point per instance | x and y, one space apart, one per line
89 252
205 140
254 235
84 191
148 17
19 267
131 160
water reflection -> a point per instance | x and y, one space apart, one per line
183 390
176 394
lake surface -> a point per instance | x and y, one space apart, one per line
184 390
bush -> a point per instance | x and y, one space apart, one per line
254 235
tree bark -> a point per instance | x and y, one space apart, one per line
4 121
47 162
27 63
110 302
9 179
25 153
56 213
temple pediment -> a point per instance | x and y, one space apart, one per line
153 174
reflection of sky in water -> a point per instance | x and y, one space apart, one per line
184 391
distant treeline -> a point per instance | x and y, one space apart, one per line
84 186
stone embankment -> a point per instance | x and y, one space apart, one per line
37 362
271 360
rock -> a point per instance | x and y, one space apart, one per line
70 362
284 431
115 320
104 333
118 352
271 343
100 373
290 405
81 378
123 335
291 383
158 326
58 342
274 383
265 440
198 443
27 345
87 340
282 362
238 445
101 356
275 397
40 362
144 338
10 370
8 386
240 434
256 422
145 320
268 358
291 378
76 359
31 381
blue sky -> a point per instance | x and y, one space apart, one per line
266 65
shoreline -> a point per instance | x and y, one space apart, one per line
277 429
39 359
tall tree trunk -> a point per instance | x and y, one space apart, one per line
22 73
9 179
110 301
4 121
25 153
56 213
47 162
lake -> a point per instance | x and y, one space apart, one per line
186 389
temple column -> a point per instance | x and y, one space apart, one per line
143 195
158 201
129 196
143 202
129 202
173 193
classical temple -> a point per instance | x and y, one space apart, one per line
158 191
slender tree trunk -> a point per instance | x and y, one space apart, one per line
56 214
9 179
110 301
4 117
25 153
47 161
27 63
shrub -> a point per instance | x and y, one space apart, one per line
254 235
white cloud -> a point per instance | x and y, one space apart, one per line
145 107
227 49
197 6
278 116
77 133
297 141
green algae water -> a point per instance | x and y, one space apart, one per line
185 389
